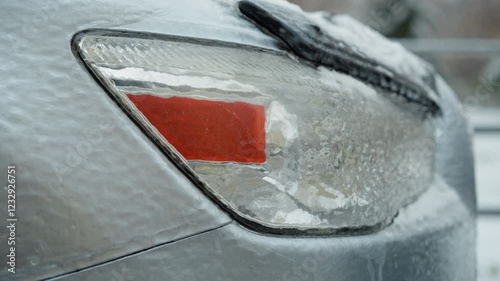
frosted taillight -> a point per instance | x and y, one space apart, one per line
282 145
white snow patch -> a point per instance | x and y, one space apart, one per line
279 117
340 82
367 41
297 216
290 188
341 200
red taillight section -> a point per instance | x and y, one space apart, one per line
208 130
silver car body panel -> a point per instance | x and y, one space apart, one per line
403 251
96 196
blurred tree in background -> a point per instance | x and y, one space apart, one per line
419 18
394 18
469 73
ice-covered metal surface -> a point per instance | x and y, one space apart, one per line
91 186
454 160
103 207
422 244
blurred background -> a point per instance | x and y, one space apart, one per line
461 38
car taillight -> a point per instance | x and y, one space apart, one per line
282 145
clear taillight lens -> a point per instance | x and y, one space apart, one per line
282 145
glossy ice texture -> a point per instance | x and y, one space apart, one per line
339 153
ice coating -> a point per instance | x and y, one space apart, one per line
201 82
281 124
339 153
375 46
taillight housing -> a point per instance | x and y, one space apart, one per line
282 145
